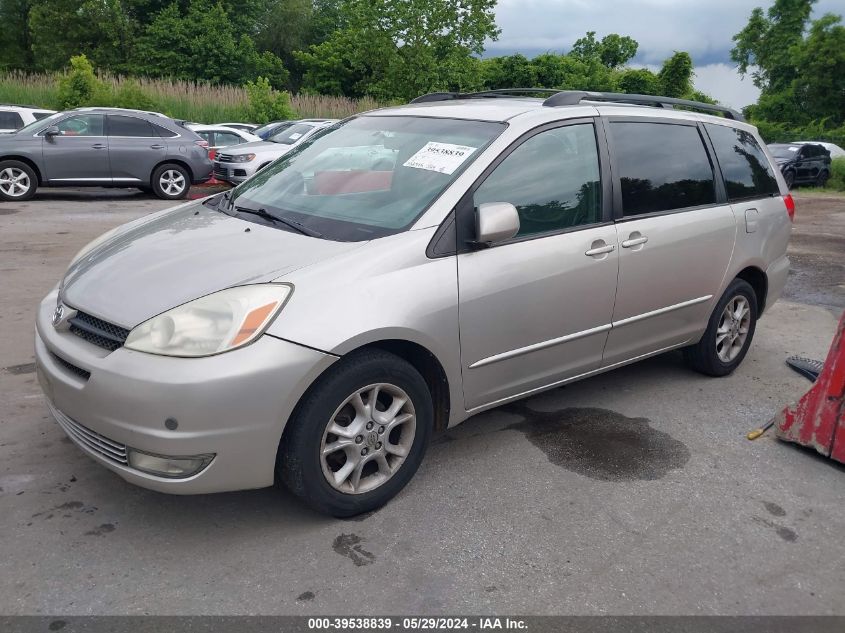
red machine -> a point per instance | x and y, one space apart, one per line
817 420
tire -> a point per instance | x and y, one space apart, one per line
789 177
304 469
171 182
821 179
18 181
711 358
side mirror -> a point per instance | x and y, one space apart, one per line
52 131
495 222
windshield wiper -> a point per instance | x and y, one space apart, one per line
215 201
296 226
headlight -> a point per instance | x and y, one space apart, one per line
90 246
212 324
242 158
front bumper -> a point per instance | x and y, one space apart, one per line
233 405
235 173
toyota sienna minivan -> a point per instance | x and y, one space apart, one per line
403 271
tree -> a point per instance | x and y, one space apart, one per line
612 51
675 77
819 85
512 71
15 40
80 86
397 49
266 104
639 81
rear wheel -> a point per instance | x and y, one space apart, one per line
171 182
729 332
17 181
358 436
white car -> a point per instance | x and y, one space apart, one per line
237 164
246 127
220 136
835 150
14 117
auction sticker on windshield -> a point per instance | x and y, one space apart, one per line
443 158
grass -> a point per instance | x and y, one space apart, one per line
179 99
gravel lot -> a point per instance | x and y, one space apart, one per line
529 508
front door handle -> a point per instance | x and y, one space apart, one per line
634 240
600 248
98 146
156 146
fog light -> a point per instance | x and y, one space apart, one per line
173 467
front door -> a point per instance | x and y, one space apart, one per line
675 237
134 149
536 309
80 152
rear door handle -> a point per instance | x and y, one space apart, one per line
634 241
600 250
98 146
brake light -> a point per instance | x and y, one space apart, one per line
201 143
790 206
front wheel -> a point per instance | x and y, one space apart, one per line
789 178
821 179
17 181
358 436
171 182
729 332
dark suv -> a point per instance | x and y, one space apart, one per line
802 163
103 147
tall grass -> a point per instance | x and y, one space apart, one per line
179 99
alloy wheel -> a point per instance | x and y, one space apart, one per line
733 328
172 182
14 182
368 438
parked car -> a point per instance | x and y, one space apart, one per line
314 326
802 164
237 164
102 148
834 150
219 136
244 127
14 117
275 127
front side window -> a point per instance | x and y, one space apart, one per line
82 125
369 176
662 167
129 126
224 139
744 166
552 179
10 121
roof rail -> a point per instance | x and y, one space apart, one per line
574 97
484 94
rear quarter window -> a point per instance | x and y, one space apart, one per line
744 166
662 167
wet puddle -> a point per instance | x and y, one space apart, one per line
600 444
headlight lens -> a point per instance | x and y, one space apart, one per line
212 324
243 158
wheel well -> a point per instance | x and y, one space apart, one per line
174 161
431 370
757 279
23 159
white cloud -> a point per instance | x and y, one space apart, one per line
723 82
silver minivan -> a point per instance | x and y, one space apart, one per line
403 271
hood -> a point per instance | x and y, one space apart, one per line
153 265
257 146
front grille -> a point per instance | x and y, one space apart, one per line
224 158
82 373
100 333
109 449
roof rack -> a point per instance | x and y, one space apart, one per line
20 105
574 97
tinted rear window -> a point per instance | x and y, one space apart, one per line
41 115
129 126
744 166
661 167
10 121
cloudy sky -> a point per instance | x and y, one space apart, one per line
704 29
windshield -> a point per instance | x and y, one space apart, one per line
368 176
271 128
290 135
43 122
784 151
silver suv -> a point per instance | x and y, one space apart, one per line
102 147
403 271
